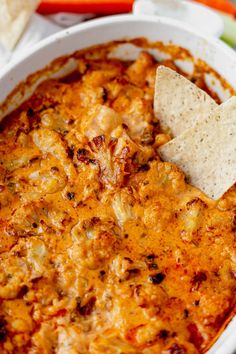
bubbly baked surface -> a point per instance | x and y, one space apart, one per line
104 248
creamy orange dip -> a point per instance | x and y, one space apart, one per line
105 248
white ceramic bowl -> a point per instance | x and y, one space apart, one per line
194 14
219 56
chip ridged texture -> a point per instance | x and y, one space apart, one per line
207 152
178 103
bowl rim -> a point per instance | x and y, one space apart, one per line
94 23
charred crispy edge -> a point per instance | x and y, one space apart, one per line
176 52
206 69
222 329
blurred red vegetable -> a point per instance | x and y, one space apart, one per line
226 6
85 6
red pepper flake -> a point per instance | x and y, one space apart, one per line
132 332
30 112
61 313
163 334
195 336
144 168
133 272
70 152
102 274
157 278
82 156
3 330
197 279
104 94
87 308
70 195
82 152
99 140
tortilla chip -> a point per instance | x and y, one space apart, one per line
207 152
14 16
178 103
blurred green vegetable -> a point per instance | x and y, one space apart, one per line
229 35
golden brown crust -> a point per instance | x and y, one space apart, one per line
104 247
22 90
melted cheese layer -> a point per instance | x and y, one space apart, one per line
104 248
